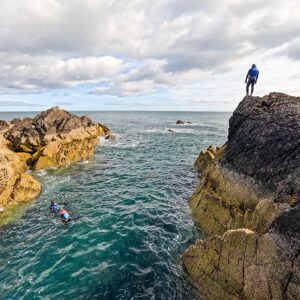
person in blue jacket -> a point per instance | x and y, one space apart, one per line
54 207
251 78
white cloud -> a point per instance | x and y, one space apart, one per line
44 72
140 46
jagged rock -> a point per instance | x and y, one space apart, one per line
55 138
3 125
248 204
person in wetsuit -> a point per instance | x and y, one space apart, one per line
54 206
65 217
251 78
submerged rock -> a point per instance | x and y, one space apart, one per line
248 205
170 130
53 138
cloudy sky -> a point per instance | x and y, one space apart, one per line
145 54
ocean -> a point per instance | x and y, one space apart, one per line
130 203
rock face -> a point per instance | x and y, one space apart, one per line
248 205
54 138
15 185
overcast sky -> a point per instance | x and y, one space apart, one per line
145 54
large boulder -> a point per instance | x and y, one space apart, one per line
247 203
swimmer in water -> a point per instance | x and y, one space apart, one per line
54 207
65 217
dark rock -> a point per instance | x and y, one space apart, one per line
263 141
170 130
183 122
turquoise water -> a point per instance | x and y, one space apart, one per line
134 222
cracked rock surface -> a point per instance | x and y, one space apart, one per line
247 204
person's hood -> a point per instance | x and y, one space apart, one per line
253 66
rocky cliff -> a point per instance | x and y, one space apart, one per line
247 204
53 138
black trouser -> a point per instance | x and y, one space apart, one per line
251 81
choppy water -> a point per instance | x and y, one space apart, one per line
132 200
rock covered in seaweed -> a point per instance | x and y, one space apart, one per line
248 205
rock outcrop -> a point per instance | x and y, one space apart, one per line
247 204
54 138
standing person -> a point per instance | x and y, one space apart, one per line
251 78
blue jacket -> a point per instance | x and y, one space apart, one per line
253 73
54 207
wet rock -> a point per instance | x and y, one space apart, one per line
170 130
248 205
